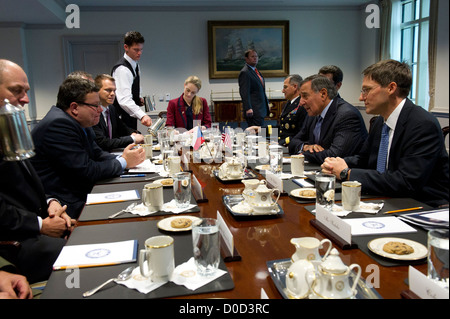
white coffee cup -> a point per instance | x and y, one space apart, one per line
148 148
298 165
159 255
351 195
148 139
152 196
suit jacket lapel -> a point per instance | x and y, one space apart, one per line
328 120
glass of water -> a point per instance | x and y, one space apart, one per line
205 239
438 256
276 160
182 189
166 153
325 185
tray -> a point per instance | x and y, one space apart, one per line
230 200
247 175
278 271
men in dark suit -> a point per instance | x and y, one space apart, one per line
27 214
111 132
335 74
333 127
68 160
404 155
253 91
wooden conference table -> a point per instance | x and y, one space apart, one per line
257 240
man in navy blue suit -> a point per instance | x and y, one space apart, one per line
333 127
252 89
27 214
404 155
111 132
67 159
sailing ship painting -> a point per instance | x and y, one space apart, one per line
231 44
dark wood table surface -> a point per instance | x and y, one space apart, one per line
259 240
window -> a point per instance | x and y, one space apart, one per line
409 35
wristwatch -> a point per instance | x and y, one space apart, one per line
344 174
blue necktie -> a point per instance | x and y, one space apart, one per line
383 151
317 129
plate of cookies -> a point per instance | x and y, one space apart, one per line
398 248
166 182
178 223
304 193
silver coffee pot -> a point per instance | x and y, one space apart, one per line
15 139
160 123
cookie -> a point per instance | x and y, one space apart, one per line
181 222
398 248
307 193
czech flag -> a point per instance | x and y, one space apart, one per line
197 138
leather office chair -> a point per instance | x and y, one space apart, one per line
445 131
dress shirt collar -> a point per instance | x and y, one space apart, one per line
393 118
325 110
132 62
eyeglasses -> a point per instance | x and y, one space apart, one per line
90 105
365 92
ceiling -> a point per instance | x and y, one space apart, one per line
49 12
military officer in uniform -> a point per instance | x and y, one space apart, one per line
293 115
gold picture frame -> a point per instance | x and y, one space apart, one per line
228 41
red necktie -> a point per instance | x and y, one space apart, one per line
259 75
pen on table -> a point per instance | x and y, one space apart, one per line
132 175
402 210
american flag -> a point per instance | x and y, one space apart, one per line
226 138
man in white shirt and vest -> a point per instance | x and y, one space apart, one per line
126 73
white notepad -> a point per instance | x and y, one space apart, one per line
112 197
378 225
95 255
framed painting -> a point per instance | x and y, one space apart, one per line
228 41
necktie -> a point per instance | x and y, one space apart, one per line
108 123
383 151
137 69
259 75
317 129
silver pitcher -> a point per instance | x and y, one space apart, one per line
160 123
15 138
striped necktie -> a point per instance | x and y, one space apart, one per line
383 151
317 129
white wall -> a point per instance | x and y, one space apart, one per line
176 47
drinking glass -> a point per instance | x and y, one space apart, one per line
438 256
325 184
182 189
276 160
205 239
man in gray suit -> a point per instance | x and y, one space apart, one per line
333 125
253 91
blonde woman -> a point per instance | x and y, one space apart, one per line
182 111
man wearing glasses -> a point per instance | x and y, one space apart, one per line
404 155
68 160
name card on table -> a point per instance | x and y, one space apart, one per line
197 190
229 252
226 233
334 224
424 287
274 181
